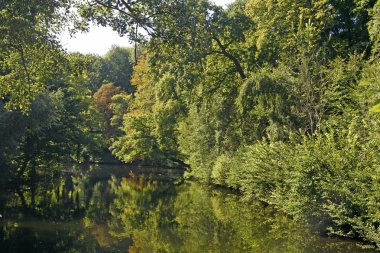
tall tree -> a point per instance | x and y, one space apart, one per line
119 63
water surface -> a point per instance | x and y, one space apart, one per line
144 210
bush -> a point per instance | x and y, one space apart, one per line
332 177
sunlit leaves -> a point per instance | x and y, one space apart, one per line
28 70
374 27
138 142
30 55
375 108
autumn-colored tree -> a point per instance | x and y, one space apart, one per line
103 98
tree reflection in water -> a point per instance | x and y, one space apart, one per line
85 212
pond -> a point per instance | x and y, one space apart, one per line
118 209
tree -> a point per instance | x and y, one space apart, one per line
188 26
94 67
138 143
371 74
120 105
62 125
103 99
340 26
119 65
30 55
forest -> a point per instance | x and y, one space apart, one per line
276 99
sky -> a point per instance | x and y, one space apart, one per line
100 39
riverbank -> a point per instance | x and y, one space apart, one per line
331 179
90 210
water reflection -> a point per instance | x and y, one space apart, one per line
138 212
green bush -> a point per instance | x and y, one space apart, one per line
332 177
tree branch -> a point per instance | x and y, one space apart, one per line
236 62
132 13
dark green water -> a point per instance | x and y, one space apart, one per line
89 211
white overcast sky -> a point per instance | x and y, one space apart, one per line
100 39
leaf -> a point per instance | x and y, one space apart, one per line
375 108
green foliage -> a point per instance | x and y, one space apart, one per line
342 78
150 119
273 98
30 55
264 104
138 143
374 27
338 26
331 177
119 67
120 103
17 128
61 125
115 67
220 170
166 116
370 85
92 69
197 143
375 108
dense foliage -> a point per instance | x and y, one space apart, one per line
278 99
48 112
273 98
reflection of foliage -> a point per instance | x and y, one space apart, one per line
79 213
